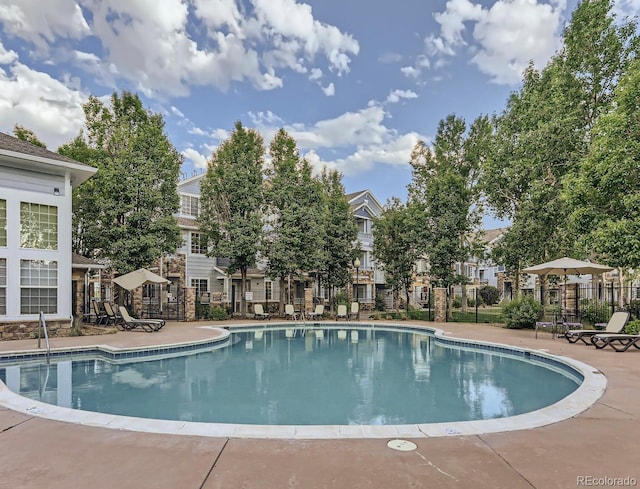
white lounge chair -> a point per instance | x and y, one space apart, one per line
290 312
258 312
355 310
616 325
342 312
318 312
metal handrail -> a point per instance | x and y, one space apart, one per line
43 325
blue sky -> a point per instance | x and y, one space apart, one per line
356 83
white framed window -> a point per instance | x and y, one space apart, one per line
3 286
197 247
268 290
190 205
3 222
201 285
38 286
38 226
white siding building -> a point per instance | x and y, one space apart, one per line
35 231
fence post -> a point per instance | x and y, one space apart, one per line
476 303
613 300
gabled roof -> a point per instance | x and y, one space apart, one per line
79 261
353 198
17 153
491 235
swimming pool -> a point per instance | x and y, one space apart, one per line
330 375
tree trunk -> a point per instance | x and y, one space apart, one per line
463 287
283 296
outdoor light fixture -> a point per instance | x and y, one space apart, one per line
356 263
56 191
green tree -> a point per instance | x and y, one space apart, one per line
27 135
606 194
340 234
294 218
125 213
395 246
442 196
231 199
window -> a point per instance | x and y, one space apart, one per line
3 286
190 205
3 223
268 290
201 285
38 226
38 286
196 244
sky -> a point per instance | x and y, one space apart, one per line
357 83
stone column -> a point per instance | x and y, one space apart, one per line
189 303
440 304
308 299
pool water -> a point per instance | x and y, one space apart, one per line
305 377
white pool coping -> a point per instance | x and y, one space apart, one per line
591 389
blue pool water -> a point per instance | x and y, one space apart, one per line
302 377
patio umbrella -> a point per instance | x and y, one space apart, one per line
567 266
142 276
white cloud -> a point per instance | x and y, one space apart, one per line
329 90
316 74
154 48
396 95
41 22
35 100
500 39
410 71
176 111
195 158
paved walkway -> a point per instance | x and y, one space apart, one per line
602 442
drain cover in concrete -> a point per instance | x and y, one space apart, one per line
402 445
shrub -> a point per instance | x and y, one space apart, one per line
489 294
632 327
379 304
457 302
522 312
593 311
205 311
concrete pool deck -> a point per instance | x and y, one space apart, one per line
584 450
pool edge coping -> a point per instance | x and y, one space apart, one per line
590 390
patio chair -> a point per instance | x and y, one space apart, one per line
619 342
355 310
129 323
342 312
258 312
616 325
318 312
101 317
290 312
112 316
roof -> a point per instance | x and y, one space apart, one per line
490 235
79 261
17 153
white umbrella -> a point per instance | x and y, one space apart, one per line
567 266
142 276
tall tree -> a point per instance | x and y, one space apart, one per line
294 218
126 212
27 135
442 196
606 193
231 199
395 246
341 245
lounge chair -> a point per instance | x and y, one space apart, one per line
318 312
616 325
355 310
101 317
112 317
619 342
148 325
290 312
258 312
342 312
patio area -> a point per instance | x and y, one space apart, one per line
597 448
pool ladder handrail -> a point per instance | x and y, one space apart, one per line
42 324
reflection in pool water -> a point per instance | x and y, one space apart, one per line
316 376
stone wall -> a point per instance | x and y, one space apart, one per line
19 330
